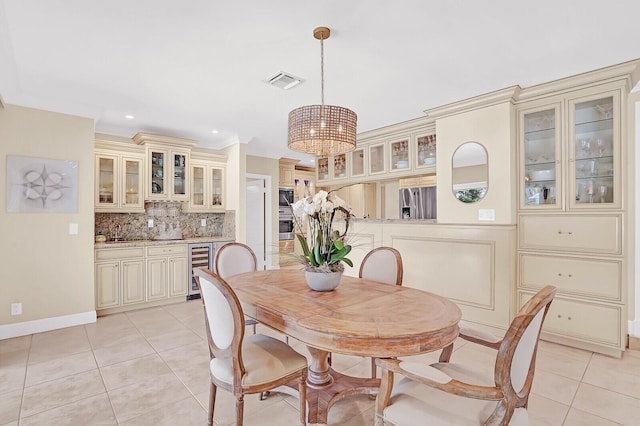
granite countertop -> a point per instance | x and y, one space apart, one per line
145 243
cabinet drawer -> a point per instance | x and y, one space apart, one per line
574 233
573 275
119 253
168 250
586 321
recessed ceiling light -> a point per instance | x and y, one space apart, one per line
129 117
214 131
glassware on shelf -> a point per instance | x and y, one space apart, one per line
603 193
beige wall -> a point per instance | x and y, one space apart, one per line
49 271
494 128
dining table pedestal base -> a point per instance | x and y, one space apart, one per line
325 386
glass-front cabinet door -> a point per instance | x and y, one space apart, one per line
399 155
425 151
323 168
376 159
179 189
132 185
158 175
340 166
106 185
593 149
196 201
357 163
541 158
217 183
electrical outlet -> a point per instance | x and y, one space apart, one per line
150 223
203 222
16 309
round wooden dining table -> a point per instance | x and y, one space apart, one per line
360 317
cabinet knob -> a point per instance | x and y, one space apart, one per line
560 232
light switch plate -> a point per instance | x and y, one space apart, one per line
487 214
73 229
203 222
150 223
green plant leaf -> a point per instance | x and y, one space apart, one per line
347 261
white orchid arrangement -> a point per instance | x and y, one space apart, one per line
324 248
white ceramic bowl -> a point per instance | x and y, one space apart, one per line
543 174
402 164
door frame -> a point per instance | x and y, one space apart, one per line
268 216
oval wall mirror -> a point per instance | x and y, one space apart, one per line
469 172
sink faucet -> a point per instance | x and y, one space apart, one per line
116 232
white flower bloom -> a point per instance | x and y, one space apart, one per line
309 209
339 202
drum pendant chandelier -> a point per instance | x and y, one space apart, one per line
322 129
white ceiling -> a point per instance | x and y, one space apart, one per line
183 68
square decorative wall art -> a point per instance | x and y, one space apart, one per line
41 185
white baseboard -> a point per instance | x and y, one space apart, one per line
47 324
634 328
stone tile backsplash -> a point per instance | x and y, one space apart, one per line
134 225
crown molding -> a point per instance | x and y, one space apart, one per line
144 138
416 125
507 94
626 72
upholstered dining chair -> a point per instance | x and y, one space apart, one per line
242 364
382 264
236 258
447 393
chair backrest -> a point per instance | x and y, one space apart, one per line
234 258
515 363
224 318
382 264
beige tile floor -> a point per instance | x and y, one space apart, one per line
150 367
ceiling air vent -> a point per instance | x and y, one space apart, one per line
284 80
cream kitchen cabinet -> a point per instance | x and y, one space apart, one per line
388 153
167 166
120 277
582 255
118 182
571 214
581 171
167 271
167 174
287 172
207 186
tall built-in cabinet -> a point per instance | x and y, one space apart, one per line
572 211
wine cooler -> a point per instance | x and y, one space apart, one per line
200 255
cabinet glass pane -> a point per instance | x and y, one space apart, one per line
594 165
323 168
340 166
426 154
400 155
157 173
197 196
216 187
179 175
106 183
357 162
376 159
540 180
132 181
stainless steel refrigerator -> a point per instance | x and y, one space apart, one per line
418 203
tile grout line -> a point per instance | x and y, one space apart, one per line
101 376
